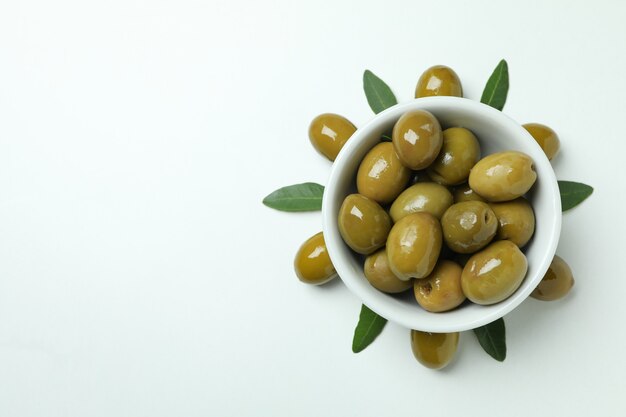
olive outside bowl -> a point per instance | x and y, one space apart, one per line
496 132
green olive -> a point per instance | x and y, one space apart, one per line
441 290
503 176
363 224
434 350
494 273
557 282
439 81
468 226
423 196
465 193
328 133
380 276
516 221
417 139
413 246
545 137
381 175
459 153
312 263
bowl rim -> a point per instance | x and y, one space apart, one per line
381 303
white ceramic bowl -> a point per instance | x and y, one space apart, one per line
496 132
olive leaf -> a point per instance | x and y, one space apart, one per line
573 193
378 94
367 329
298 197
492 337
497 87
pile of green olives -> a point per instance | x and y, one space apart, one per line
453 236
430 215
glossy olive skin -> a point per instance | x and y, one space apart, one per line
459 153
465 193
424 196
557 282
312 263
413 246
468 226
516 221
438 81
494 273
381 175
434 350
378 274
545 137
503 176
363 224
441 290
417 139
328 133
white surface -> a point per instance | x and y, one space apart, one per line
497 133
141 276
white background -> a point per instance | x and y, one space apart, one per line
141 276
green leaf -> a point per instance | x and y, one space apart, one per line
379 95
385 137
298 197
573 193
497 87
492 338
369 327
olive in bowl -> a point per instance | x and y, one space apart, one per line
497 133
